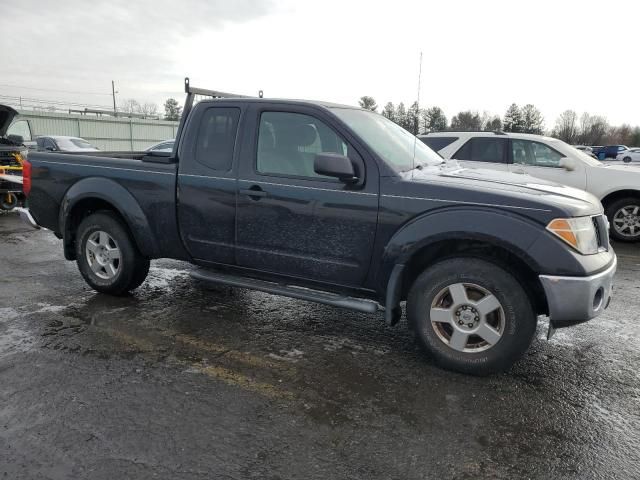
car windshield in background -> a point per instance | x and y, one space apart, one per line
71 144
565 148
392 143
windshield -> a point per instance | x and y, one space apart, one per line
71 144
567 149
392 143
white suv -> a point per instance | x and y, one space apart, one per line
616 185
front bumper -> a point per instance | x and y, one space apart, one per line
573 300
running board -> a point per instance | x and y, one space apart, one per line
357 304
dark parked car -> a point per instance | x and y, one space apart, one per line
336 205
609 151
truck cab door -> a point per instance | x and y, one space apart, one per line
292 221
542 161
206 191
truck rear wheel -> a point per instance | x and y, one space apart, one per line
471 316
107 257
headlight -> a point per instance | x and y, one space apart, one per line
579 232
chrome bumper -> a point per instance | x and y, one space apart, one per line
574 300
26 217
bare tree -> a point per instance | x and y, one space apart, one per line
149 109
566 128
592 130
130 106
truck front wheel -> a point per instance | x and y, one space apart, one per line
107 257
471 316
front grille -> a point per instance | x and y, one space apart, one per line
601 225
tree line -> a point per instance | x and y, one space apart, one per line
585 129
172 109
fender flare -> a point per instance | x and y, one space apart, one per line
120 199
504 229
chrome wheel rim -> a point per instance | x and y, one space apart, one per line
103 255
626 221
467 317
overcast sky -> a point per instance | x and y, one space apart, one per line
478 55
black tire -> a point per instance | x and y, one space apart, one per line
626 159
614 208
9 201
132 267
515 316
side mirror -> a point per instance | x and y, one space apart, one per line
335 165
569 164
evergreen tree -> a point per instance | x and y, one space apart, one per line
389 111
400 115
172 110
467 121
532 120
413 118
434 120
493 124
368 103
513 121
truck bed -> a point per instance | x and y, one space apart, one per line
139 186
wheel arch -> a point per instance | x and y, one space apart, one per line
501 237
617 195
99 194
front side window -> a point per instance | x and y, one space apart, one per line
535 153
484 149
217 137
289 142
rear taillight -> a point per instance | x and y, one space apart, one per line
26 177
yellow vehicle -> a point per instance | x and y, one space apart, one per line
12 155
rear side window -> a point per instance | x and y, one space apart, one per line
217 137
484 149
438 143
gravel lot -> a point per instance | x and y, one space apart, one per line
182 382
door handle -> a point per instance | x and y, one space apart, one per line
255 192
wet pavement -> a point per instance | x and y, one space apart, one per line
179 381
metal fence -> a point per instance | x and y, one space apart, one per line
105 132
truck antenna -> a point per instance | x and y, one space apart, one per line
417 119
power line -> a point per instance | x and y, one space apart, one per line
17 99
53 90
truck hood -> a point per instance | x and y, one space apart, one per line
7 114
521 187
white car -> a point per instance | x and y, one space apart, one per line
617 185
63 143
166 146
628 156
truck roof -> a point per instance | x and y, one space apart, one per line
286 101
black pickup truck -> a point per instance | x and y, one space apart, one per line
336 205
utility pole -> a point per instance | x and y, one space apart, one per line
113 92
